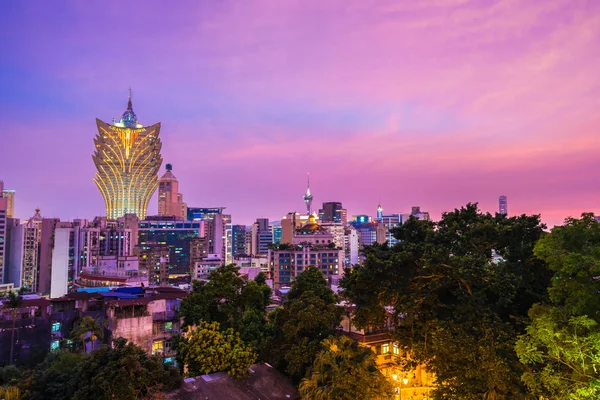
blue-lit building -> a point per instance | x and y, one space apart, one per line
203 213
361 219
276 234
241 240
218 229
176 235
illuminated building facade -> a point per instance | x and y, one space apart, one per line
127 158
9 195
3 229
312 245
23 266
308 197
175 235
170 201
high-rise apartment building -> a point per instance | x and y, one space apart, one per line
3 233
9 195
503 205
176 235
76 246
155 260
23 265
276 229
289 224
262 237
351 246
81 247
46 248
218 229
127 160
333 212
170 201
241 240
312 245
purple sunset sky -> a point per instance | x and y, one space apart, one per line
432 102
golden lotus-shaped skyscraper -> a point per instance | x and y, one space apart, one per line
127 158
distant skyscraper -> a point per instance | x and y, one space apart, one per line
332 212
3 244
169 199
176 235
218 229
308 198
9 195
503 204
127 158
23 265
241 239
379 212
262 237
276 233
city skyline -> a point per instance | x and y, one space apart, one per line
448 113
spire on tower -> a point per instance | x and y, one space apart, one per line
308 197
129 104
129 119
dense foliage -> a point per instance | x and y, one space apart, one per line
562 344
457 292
343 370
89 329
124 371
232 302
205 349
309 316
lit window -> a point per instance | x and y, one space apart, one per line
396 349
386 348
55 345
157 347
55 326
169 326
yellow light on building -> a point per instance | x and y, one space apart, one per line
127 162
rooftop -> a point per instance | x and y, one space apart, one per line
264 383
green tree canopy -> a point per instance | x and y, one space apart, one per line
309 316
89 328
232 302
217 299
458 292
124 372
343 370
205 349
562 343
57 377
13 302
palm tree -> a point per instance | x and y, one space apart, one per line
93 326
14 302
344 370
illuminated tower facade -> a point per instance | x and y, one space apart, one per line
9 195
127 158
308 197
170 201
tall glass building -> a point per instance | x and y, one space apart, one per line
127 160
175 235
